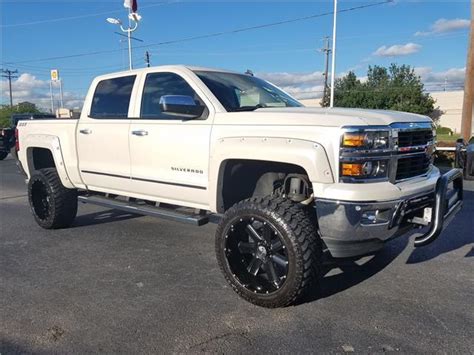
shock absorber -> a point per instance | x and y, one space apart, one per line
297 188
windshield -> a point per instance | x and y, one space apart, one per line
238 92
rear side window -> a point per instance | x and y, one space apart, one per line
161 84
112 97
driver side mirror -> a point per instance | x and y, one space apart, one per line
181 105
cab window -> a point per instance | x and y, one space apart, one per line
112 97
161 84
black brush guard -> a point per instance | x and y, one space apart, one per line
447 203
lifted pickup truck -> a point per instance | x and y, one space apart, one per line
284 182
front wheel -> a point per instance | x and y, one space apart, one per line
53 205
269 250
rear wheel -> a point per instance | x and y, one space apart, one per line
269 251
53 205
3 155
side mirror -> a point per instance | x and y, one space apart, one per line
180 105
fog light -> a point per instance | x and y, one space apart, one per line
352 169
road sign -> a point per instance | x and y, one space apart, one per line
54 75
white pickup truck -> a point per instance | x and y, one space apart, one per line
284 182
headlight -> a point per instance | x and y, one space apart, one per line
364 170
366 140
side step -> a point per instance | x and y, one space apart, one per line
166 213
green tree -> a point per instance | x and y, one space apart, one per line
23 107
394 88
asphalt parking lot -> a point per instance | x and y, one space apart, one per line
120 283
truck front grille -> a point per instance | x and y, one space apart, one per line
414 138
412 166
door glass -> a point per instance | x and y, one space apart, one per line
112 97
161 84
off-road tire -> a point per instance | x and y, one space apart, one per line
53 205
297 226
3 155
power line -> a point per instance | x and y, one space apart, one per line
209 35
40 22
10 74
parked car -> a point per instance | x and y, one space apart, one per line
464 157
283 182
7 141
7 135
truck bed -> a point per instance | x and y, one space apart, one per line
45 130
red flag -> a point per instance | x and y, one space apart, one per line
131 4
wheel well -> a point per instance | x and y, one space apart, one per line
242 179
40 158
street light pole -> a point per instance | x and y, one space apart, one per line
129 35
128 31
333 64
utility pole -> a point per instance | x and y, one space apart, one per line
326 50
10 74
333 62
147 59
467 108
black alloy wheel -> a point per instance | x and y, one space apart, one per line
257 254
40 200
269 250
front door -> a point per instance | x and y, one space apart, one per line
103 137
169 154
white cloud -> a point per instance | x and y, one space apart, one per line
28 88
299 85
443 25
287 79
451 79
397 50
307 92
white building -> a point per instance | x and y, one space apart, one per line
450 103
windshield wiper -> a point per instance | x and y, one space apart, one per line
248 108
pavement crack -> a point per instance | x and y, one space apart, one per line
12 197
240 334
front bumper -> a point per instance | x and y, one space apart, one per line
357 228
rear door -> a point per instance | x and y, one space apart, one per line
170 154
103 136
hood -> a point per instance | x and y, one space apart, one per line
341 116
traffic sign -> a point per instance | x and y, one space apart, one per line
54 75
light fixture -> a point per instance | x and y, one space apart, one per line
114 21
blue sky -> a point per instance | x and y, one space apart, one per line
428 35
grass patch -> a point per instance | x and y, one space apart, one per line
447 138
